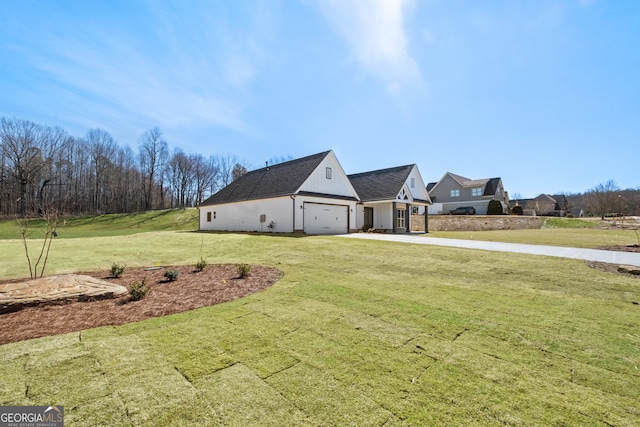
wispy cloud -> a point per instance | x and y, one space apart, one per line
164 76
375 33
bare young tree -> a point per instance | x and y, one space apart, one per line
51 223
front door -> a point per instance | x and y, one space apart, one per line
368 218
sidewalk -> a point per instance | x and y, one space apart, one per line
611 257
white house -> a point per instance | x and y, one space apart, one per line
311 195
388 197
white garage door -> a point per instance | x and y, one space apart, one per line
325 219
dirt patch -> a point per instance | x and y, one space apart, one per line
622 248
612 268
214 285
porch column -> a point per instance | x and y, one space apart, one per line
407 218
394 217
426 219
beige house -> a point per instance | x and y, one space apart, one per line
546 205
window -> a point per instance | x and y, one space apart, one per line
328 173
401 219
413 183
476 191
454 193
208 216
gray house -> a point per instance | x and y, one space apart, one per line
454 191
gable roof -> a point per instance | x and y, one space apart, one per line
490 185
459 178
281 179
383 184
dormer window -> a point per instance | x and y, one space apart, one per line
476 191
328 173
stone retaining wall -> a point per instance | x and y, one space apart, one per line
476 223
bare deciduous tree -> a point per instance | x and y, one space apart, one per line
238 171
603 198
102 148
21 149
154 153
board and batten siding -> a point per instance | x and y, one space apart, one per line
246 216
418 190
338 184
287 214
382 214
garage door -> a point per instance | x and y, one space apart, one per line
325 219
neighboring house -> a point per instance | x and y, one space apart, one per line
454 191
311 195
545 205
388 197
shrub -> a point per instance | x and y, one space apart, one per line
201 265
139 290
171 275
243 270
517 210
495 207
117 269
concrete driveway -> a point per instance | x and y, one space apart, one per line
612 257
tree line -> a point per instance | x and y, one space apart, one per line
606 198
46 168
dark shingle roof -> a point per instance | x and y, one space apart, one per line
431 185
491 187
383 184
273 181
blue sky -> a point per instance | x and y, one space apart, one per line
543 93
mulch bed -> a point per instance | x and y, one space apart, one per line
214 285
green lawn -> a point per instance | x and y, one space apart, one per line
109 225
356 333
568 232
570 237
